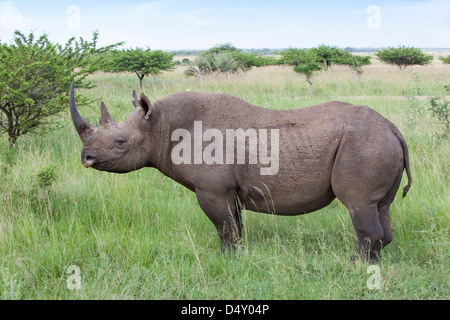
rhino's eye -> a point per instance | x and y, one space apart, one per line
120 143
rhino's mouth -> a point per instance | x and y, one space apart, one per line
88 162
101 165
117 164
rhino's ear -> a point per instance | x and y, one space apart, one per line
144 103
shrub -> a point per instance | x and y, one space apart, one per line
227 58
404 57
354 62
35 76
439 108
445 59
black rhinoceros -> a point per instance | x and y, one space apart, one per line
233 154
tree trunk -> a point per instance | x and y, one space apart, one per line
11 142
141 79
309 80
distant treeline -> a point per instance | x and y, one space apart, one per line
277 51
263 51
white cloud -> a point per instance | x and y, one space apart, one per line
159 24
11 19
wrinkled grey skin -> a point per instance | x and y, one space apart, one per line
329 150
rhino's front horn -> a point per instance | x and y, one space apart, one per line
83 127
105 119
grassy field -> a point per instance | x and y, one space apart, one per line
143 236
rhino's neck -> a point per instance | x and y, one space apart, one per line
165 119
158 145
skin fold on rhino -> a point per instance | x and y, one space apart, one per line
327 151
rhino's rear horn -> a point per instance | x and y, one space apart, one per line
105 119
84 128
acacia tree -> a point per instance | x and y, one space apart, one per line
357 62
404 57
304 61
308 69
35 76
141 62
330 54
353 61
335 55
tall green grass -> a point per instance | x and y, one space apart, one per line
143 236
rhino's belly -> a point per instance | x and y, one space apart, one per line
294 200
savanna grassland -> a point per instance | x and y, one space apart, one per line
143 236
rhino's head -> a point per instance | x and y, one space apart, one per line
115 147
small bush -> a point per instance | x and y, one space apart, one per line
216 62
39 194
404 57
45 177
439 107
445 59
227 58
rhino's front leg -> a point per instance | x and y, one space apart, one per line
221 209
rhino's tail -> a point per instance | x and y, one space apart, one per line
405 158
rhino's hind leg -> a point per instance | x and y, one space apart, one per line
224 213
385 220
369 231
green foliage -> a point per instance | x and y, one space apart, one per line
7 158
295 57
142 62
416 109
308 70
35 76
354 62
445 59
226 47
40 192
45 177
357 62
227 58
404 57
332 54
305 62
439 107
250 60
216 62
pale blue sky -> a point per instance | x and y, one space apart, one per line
202 24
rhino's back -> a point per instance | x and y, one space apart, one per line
309 138
226 111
